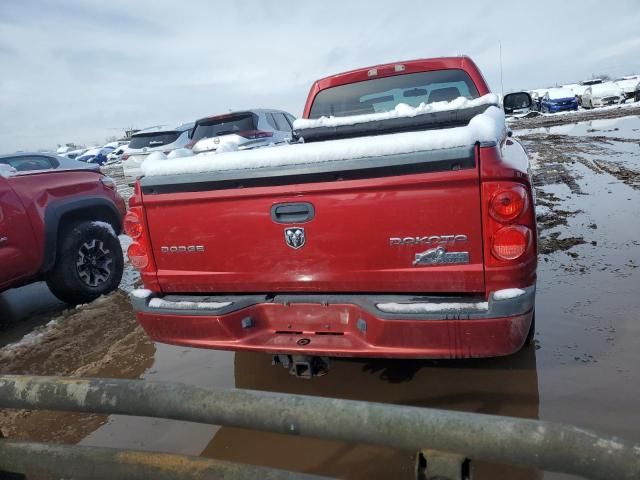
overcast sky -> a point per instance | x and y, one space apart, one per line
75 71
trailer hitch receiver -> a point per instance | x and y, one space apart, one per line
303 366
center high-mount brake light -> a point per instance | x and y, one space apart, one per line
507 205
132 225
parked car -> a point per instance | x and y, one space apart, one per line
150 140
117 153
369 239
59 222
602 94
558 100
630 88
536 96
73 154
593 81
97 156
116 143
33 161
241 130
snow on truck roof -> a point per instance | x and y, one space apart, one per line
607 88
402 110
558 93
488 126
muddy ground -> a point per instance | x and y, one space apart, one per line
582 369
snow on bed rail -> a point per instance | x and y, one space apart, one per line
485 127
402 110
508 293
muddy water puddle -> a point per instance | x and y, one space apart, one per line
582 369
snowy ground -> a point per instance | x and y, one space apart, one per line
582 369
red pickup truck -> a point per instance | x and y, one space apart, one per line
58 222
401 225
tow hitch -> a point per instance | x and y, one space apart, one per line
303 366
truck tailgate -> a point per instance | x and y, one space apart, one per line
357 230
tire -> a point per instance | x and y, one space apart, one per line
532 331
89 263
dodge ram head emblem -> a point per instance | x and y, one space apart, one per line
294 237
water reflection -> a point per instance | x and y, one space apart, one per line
505 386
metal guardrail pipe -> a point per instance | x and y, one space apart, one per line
93 463
542 445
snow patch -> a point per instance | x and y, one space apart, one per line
486 127
402 110
105 226
610 445
7 171
130 275
180 152
33 337
508 293
156 156
184 305
141 293
432 307
560 93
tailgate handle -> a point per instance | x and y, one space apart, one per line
292 212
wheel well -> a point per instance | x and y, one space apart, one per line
96 213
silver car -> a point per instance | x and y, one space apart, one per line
241 130
151 140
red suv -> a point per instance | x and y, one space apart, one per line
59 221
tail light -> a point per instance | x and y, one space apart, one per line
507 205
132 225
138 256
509 235
511 242
124 156
253 134
191 144
139 252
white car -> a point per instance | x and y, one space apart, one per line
73 154
630 87
151 140
602 94
117 154
536 96
241 130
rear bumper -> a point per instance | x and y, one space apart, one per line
375 326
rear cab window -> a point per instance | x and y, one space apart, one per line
385 93
150 140
224 125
